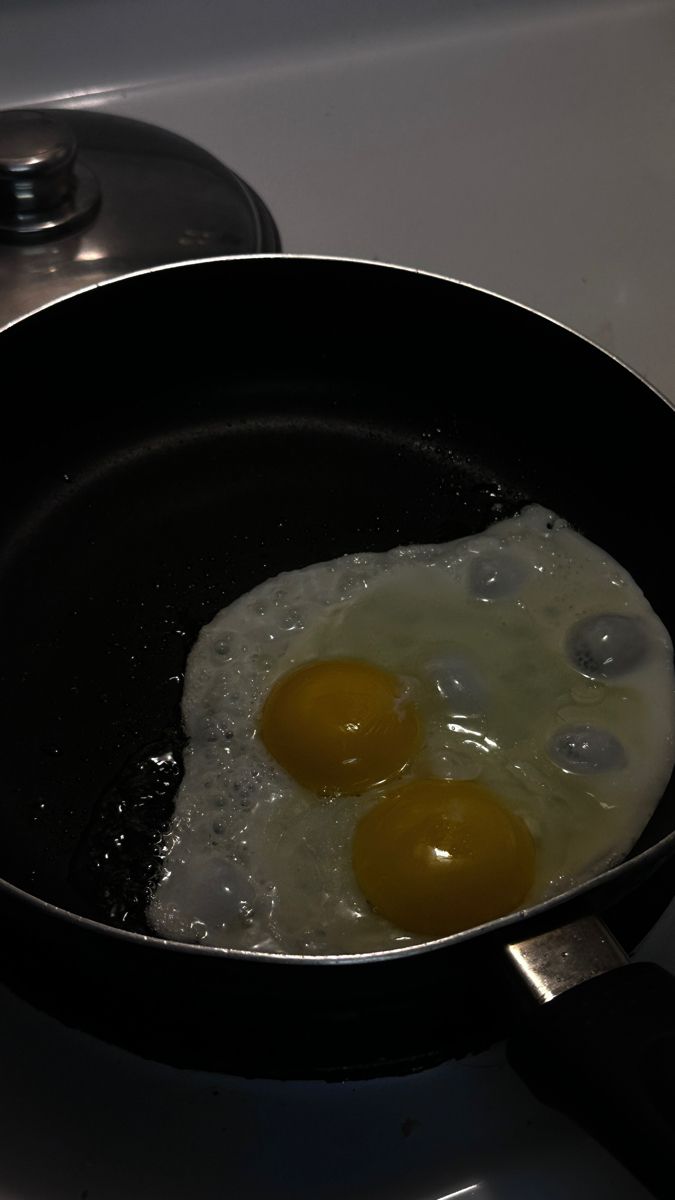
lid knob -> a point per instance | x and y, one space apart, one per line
43 189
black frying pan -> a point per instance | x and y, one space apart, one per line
170 440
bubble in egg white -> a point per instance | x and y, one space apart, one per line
457 682
607 645
585 749
558 697
492 576
219 895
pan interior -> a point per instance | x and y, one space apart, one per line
219 423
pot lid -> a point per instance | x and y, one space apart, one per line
87 196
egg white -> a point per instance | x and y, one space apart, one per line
479 630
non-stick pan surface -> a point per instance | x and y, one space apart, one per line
169 441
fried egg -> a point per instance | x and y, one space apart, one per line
390 747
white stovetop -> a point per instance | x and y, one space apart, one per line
524 145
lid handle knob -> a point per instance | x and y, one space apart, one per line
44 190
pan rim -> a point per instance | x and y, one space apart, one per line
662 848
337 258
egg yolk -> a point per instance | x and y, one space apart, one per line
340 726
437 856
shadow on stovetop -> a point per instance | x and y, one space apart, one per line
84 1121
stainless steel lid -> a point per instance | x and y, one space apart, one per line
86 196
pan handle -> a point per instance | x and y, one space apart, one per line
600 1044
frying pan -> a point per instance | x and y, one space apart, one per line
171 439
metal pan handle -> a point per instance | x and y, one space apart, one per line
598 1043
